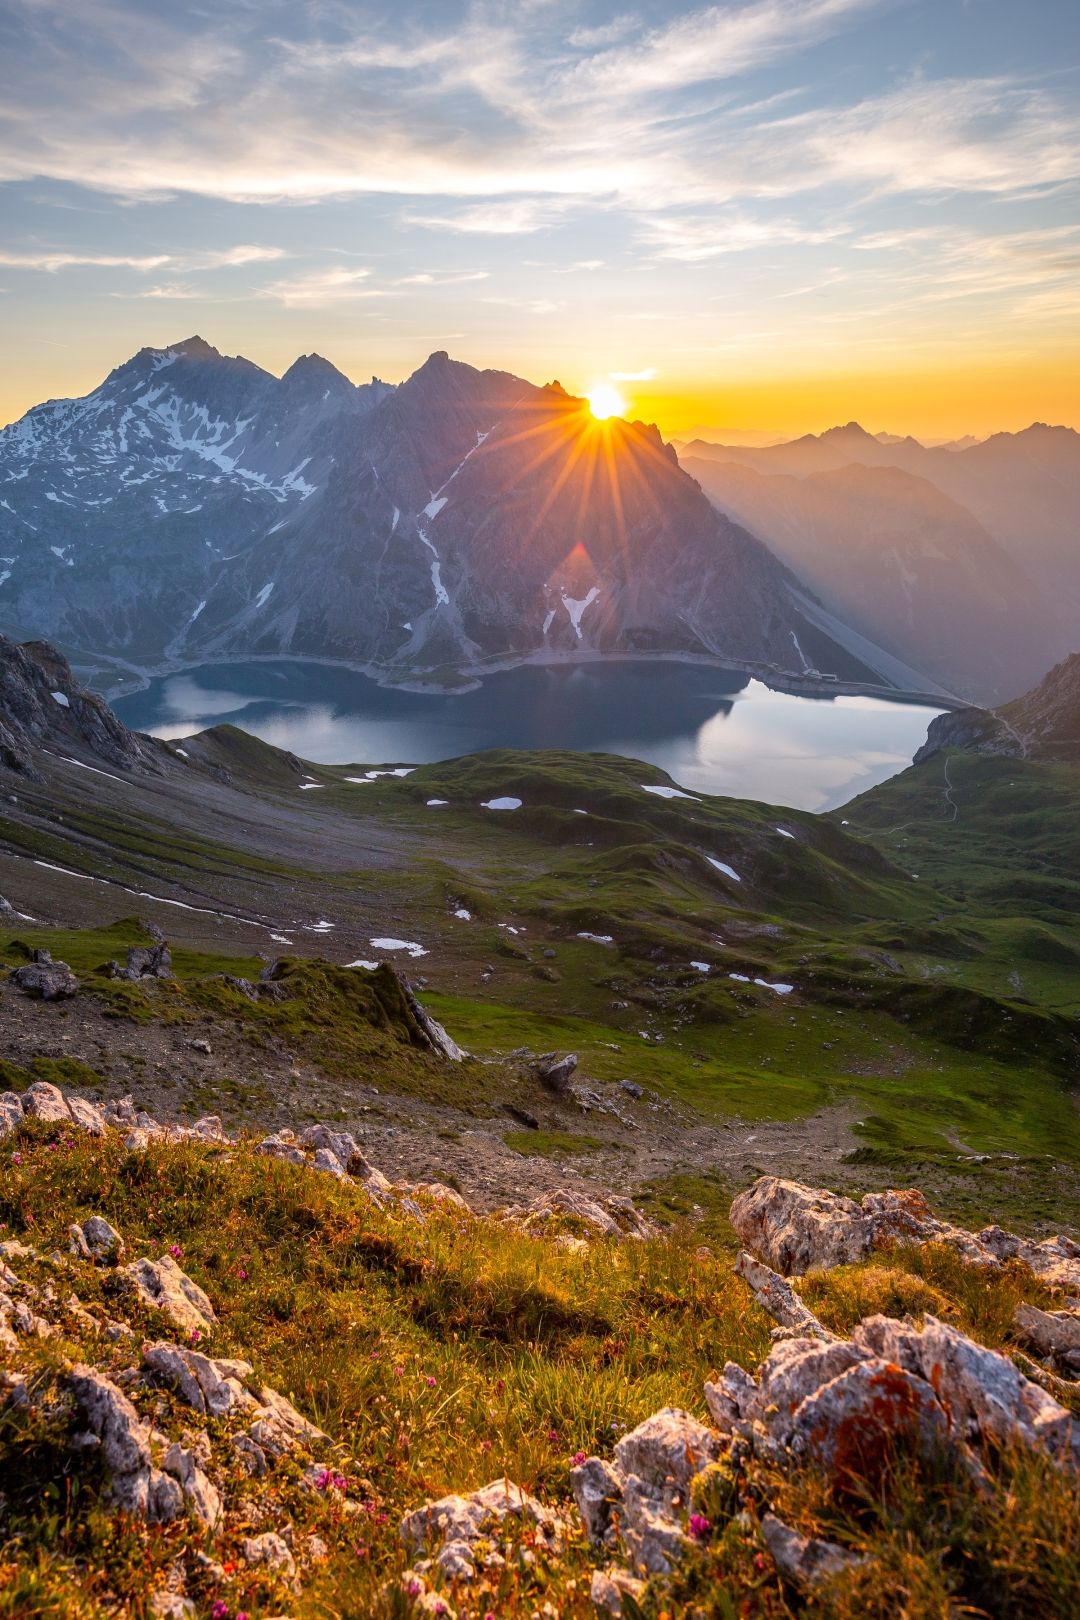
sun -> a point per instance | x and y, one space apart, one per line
605 401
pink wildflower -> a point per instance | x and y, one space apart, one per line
219 1610
176 1251
430 1382
196 1335
700 1527
578 1458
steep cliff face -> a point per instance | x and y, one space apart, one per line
42 705
195 505
1043 724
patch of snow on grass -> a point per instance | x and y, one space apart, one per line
320 927
437 801
722 866
501 804
373 776
702 967
62 699
466 916
784 832
598 939
305 787
435 505
663 792
371 966
409 945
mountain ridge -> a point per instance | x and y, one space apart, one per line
195 505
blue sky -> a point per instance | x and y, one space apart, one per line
776 195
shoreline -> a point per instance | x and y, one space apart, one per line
791 682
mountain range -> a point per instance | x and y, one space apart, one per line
961 558
196 506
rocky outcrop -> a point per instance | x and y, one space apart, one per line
96 1239
556 1072
42 704
52 981
448 1530
136 1486
796 1229
164 1287
604 1215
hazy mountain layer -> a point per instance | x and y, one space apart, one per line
900 561
1024 488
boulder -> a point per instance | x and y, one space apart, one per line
135 1485
796 1228
96 1239
793 1228
340 1143
451 1526
556 1072
52 981
280 1146
609 1215
162 1284
804 1560
200 1494
147 962
11 1112
598 1493
86 1115
1055 1334
215 1387
270 1551
610 1586
45 1101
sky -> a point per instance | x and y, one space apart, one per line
759 216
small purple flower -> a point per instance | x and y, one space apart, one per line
700 1527
413 1588
241 1272
578 1458
16 1158
219 1610
176 1251
430 1382
196 1335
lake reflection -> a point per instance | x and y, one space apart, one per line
716 731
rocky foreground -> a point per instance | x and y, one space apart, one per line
122 1361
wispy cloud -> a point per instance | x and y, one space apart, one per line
321 288
58 260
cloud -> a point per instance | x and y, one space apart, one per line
246 253
429 278
167 290
53 261
321 288
693 239
511 216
